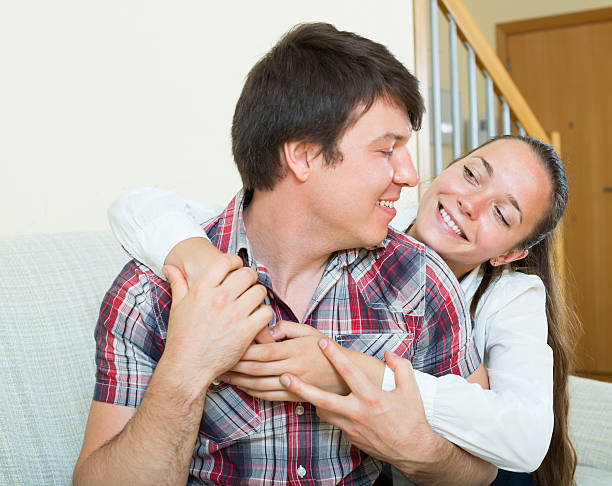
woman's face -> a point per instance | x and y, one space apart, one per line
483 205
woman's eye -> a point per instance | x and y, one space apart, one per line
500 215
469 175
388 154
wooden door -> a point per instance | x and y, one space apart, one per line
563 67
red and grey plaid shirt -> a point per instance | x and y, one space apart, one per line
400 296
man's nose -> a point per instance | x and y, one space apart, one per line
404 172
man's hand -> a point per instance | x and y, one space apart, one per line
390 426
369 416
197 256
259 369
213 321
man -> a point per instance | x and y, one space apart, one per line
319 138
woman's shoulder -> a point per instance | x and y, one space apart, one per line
509 287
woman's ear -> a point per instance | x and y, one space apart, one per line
298 157
508 257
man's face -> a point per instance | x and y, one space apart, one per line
353 200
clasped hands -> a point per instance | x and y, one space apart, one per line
218 328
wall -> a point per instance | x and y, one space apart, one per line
98 97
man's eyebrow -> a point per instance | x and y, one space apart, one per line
388 137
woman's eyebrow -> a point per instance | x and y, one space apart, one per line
488 167
515 203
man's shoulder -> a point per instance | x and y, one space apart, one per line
398 241
411 255
403 248
139 285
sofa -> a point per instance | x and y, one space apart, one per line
50 292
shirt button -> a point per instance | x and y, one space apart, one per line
299 410
301 472
216 382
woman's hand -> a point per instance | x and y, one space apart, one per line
258 372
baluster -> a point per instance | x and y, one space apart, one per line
506 127
455 100
472 97
491 128
436 112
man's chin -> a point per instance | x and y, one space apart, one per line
374 240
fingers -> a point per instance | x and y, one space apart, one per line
258 320
264 336
309 393
260 368
219 269
289 330
177 281
258 383
356 380
267 352
238 281
272 396
250 300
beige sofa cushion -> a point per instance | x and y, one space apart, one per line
50 294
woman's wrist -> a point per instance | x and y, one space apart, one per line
192 256
372 367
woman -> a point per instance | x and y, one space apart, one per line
501 251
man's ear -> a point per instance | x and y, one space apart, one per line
508 257
298 157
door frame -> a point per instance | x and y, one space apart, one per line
506 29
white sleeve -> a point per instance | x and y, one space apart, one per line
149 222
511 424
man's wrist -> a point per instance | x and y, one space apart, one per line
187 386
435 451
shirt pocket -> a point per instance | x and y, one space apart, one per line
375 344
229 415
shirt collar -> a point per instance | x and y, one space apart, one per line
232 236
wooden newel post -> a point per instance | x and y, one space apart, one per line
555 141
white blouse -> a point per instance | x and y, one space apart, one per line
509 425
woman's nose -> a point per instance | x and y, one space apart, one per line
468 206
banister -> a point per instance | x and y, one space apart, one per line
487 60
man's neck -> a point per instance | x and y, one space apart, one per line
282 236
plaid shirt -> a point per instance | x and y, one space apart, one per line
399 296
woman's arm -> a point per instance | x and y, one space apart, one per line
149 223
509 425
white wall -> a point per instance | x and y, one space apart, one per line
98 97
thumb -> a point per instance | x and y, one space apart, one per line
177 281
402 368
290 330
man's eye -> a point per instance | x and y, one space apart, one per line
500 215
469 175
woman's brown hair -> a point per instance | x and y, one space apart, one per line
559 465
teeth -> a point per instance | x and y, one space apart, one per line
450 222
387 204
